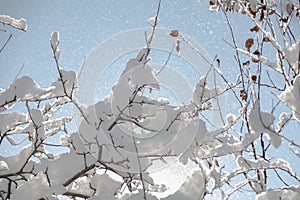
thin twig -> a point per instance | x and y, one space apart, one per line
19 72
165 64
10 36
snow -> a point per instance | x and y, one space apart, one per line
23 89
292 56
163 100
245 165
292 192
291 97
3 166
262 59
153 21
68 86
230 118
65 140
260 122
139 73
35 188
140 196
159 128
283 118
17 161
192 188
54 41
82 186
105 186
201 91
53 170
9 120
16 23
189 138
37 120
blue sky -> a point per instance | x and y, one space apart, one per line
84 24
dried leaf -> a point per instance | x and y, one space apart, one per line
284 20
255 28
219 62
254 77
30 137
256 52
174 33
246 63
248 44
243 95
177 46
272 12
